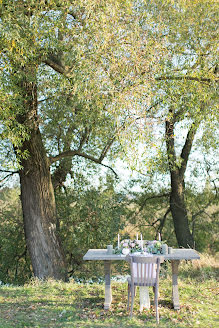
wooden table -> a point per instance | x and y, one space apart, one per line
175 258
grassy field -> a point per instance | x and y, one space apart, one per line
57 304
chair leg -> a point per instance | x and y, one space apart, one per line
129 291
132 301
156 304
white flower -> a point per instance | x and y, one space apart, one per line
125 251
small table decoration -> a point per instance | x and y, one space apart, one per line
128 246
154 246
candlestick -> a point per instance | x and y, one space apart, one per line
118 241
159 238
141 242
137 236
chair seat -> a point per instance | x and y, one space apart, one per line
144 283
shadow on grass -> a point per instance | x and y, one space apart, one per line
166 304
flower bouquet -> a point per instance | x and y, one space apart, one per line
154 246
128 246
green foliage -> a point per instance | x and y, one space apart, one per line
89 217
14 260
83 56
203 214
185 82
148 213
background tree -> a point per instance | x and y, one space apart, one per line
191 101
196 100
149 211
184 110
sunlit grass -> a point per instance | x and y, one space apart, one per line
57 304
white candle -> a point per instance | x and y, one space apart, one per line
137 236
141 242
159 238
118 241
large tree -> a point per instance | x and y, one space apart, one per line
67 72
50 106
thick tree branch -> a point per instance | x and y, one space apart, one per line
71 153
163 220
138 211
106 148
10 173
54 61
169 136
84 138
56 65
109 167
187 148
150 198
177 115
45 99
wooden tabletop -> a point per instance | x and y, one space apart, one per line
177 254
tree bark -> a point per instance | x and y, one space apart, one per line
39 212
37 193
177 201
179 211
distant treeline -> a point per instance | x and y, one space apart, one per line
92 217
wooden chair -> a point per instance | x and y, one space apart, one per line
144 272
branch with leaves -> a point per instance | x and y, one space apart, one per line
186 78
10 174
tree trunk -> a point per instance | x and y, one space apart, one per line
39 212
37 193
179 212
177 202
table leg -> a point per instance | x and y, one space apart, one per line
108 291
144 298
175 292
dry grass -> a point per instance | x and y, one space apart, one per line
206 260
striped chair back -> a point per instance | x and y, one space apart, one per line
145 270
